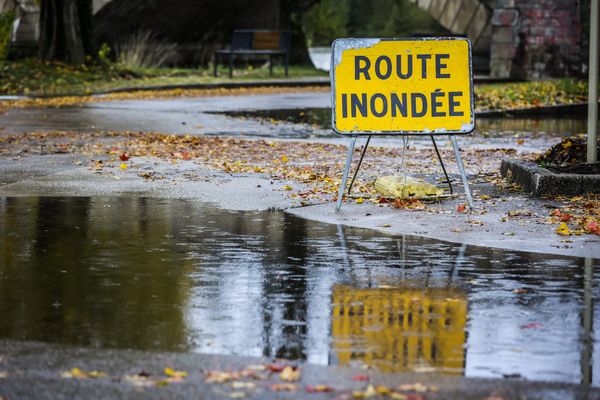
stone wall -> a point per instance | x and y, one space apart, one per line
552 31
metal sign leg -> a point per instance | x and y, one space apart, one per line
437 151
345 176
362 155
463 175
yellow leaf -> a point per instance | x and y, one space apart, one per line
123 166
563 230
175 374
290 374
288 187
360 200
284 158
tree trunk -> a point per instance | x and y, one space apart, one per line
291 12
66 31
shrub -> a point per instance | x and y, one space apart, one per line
143 50
6 24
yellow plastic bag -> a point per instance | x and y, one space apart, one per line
397 186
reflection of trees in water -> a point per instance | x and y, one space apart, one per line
85 280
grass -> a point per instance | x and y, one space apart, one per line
36 77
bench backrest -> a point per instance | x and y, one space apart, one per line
248 39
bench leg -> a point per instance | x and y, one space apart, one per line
270 65
216 64
230 65
287 62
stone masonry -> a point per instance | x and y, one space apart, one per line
552 30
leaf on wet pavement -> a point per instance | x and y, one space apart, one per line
563 230
360 377
78 373
275 367
531 325
124 156
283 387
170 372
290 374
318 389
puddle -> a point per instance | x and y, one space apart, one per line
558 126
175 275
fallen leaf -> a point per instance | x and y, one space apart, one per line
283 387
175 374
318 389
290 374
360 378
243 385
123 166
124 157
360 200
461 208
274 367
531 325
563 230
81 374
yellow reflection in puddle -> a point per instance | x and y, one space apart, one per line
397 329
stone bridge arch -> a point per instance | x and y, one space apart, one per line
465 17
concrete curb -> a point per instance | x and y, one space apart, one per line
540 181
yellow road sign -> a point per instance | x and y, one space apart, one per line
402 86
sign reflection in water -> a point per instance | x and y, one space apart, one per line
400 329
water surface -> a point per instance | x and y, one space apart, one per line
173 275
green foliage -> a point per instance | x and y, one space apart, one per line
331 19
104 54
326 21
6 22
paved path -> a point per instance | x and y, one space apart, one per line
33 371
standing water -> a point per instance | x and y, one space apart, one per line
176 275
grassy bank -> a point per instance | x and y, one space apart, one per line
35 77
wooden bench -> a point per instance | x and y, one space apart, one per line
250 42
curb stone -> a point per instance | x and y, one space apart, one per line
540 181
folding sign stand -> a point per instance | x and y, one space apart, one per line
406 87
463 175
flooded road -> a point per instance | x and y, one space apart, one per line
175 275
557 126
